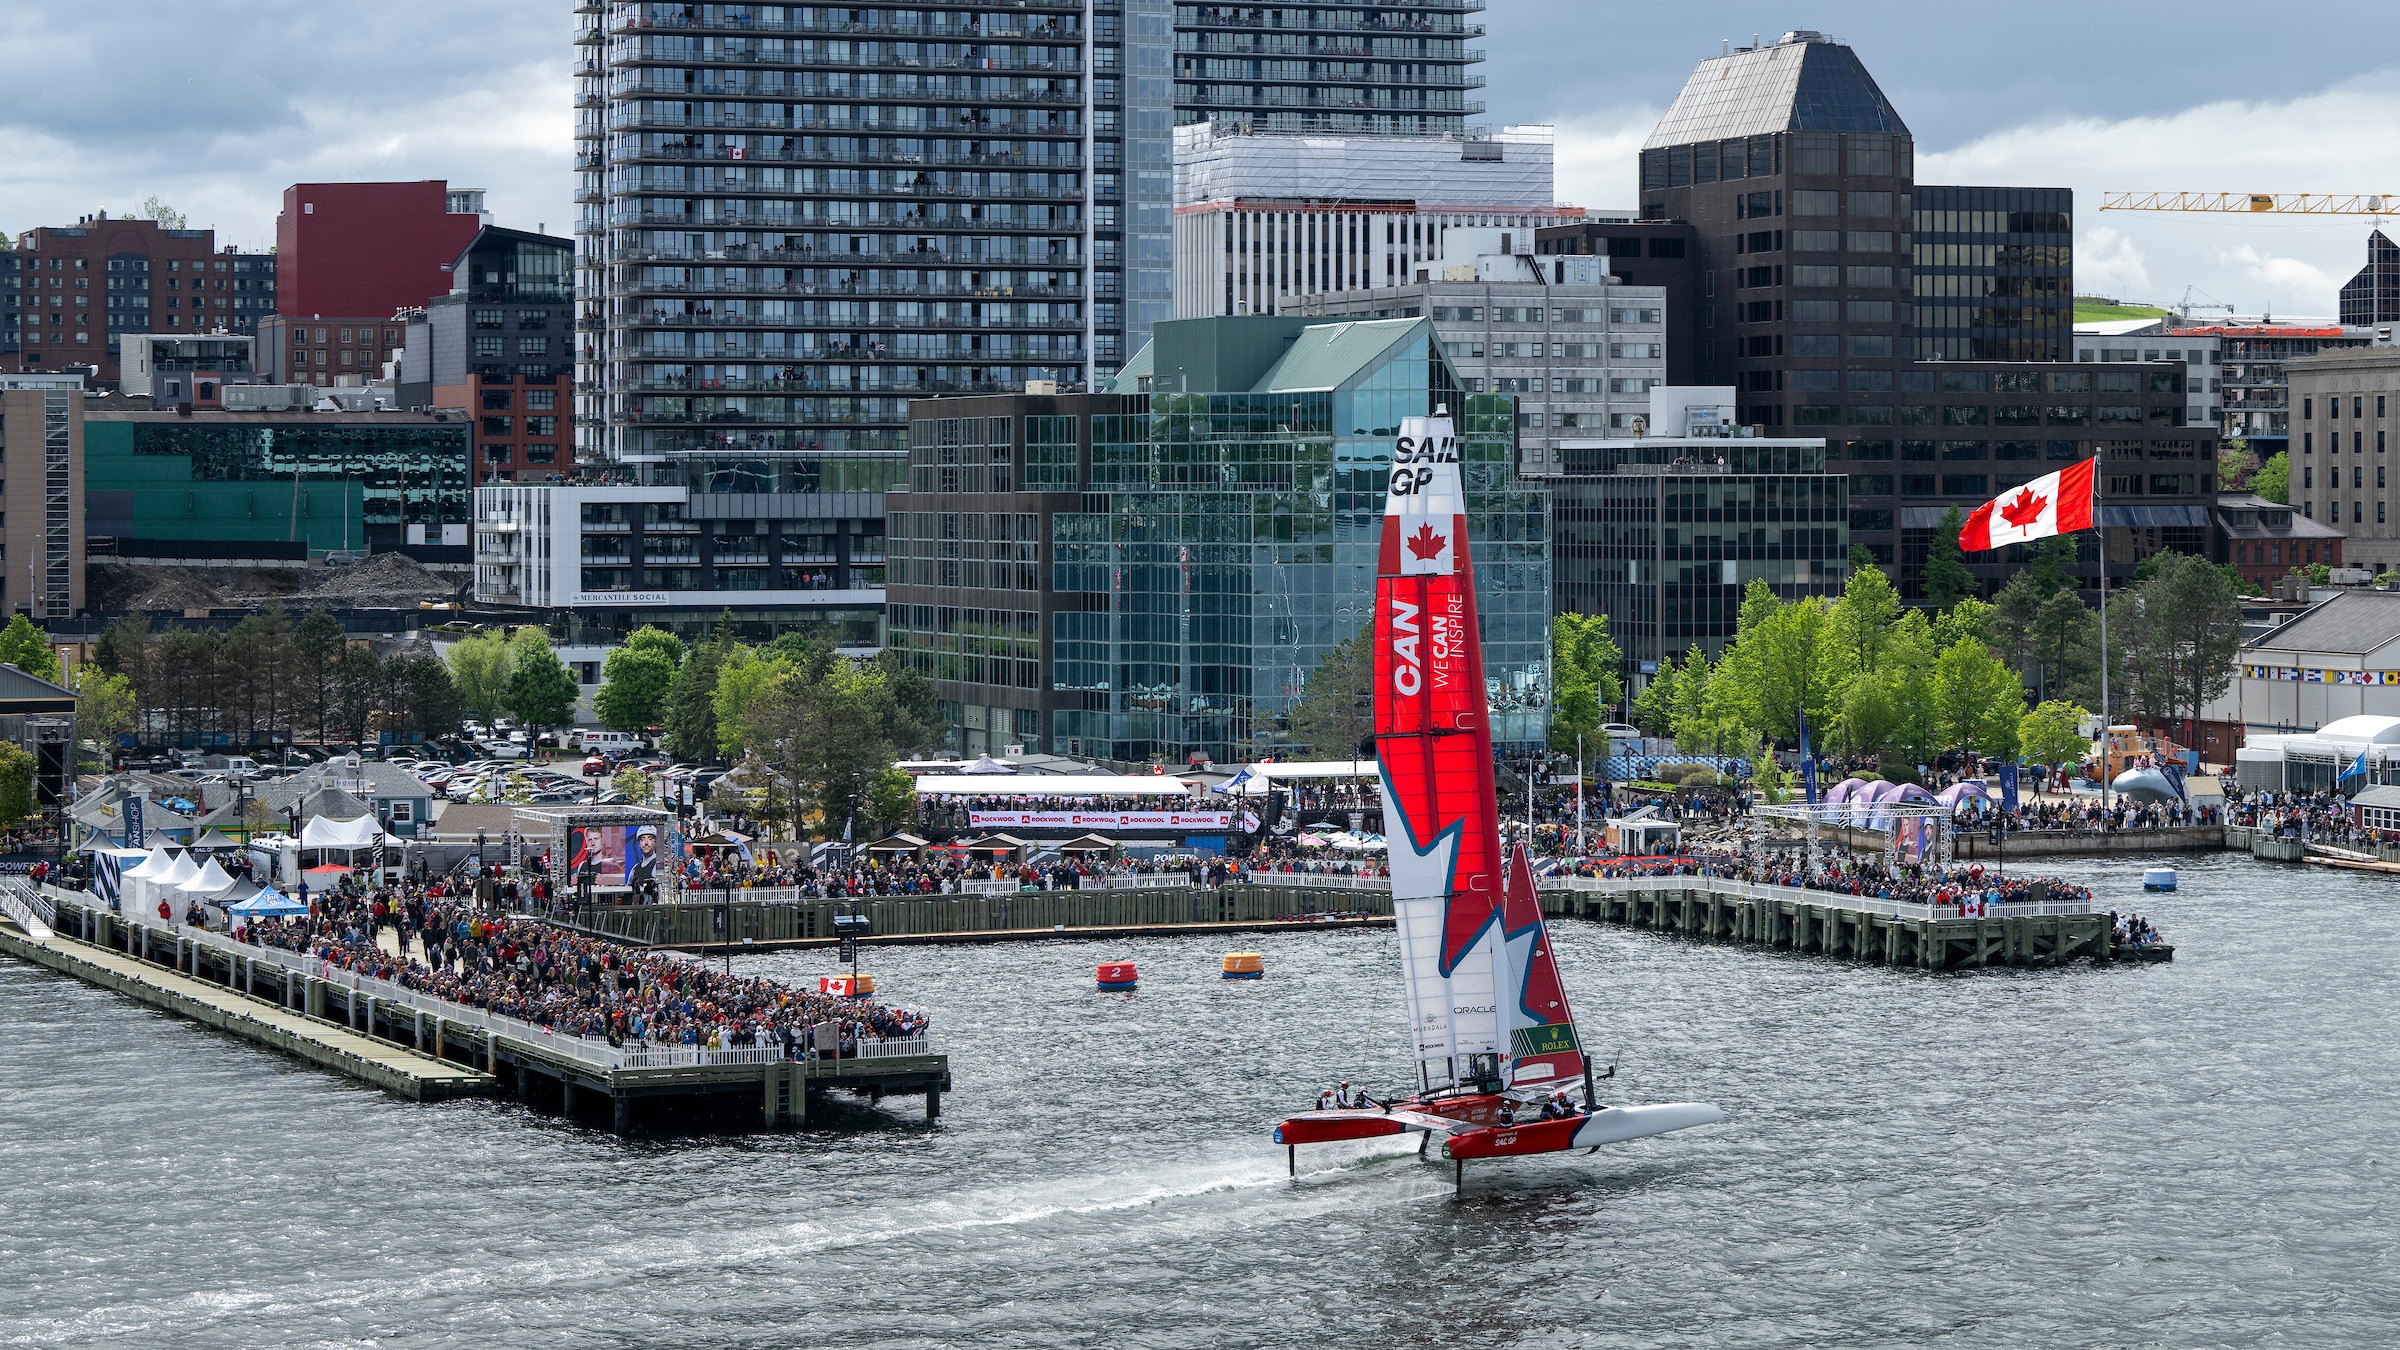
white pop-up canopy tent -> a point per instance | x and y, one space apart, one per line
344 834
210 881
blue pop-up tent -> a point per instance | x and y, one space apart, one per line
268 905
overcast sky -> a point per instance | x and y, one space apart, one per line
216 111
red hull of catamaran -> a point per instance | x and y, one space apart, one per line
1404 1116
1610 1125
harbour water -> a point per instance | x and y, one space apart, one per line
2200 1153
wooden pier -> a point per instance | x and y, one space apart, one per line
745 922
1704 909
375 1033
1859 929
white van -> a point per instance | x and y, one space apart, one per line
598 742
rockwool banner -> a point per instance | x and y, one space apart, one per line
1100 820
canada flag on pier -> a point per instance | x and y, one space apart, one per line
2051 504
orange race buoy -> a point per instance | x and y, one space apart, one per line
1245 966
1118 975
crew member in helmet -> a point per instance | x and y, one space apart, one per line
1325 1099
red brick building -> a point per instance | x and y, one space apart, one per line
2265 540
84 286
350 258
368 249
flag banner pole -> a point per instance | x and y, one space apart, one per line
2100 539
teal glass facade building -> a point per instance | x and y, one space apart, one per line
1156 572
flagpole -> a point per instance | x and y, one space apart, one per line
2100 537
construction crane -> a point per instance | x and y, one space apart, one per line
2288 203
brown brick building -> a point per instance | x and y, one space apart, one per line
82 286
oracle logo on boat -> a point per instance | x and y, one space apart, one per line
1469 1012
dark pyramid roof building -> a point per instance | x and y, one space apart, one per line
1806 82
2373 296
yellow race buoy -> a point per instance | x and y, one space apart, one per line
1244 966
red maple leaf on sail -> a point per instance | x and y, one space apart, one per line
1426 544
2025 510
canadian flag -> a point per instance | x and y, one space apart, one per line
2051 504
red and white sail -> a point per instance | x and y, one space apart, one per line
1434 739
1542 1046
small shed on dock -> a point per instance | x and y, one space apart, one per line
901 845
1644 832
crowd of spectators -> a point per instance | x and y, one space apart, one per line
452 949
1969 888
2323 816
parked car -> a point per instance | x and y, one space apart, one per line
594 766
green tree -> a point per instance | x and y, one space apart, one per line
912 706
1776 668
892 801
2051 734
1586 677
633 688
1861 557
651 638
104 707
124 646
1981 699
821 738
168 218
1914 709
1334 717
1946 579
28 649
17 803
747 676
360 690
429 696
2273 480
635 784
1968 620
317 641
2191 631
2236 464
540 691
2051 562
1861 620
481 665
691 721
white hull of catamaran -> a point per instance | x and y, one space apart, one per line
1616 1124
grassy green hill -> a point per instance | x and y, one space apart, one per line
2099 309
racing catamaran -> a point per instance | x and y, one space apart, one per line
1495 1040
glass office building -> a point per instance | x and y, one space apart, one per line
1995 273
1155 573
1665 535
266 485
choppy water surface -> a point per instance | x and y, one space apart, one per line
2193 1154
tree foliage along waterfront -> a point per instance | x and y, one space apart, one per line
635 680
1586 678
1334 717
1902 685
263 680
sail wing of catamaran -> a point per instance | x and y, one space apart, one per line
1488 1013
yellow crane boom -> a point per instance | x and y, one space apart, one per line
2288 203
